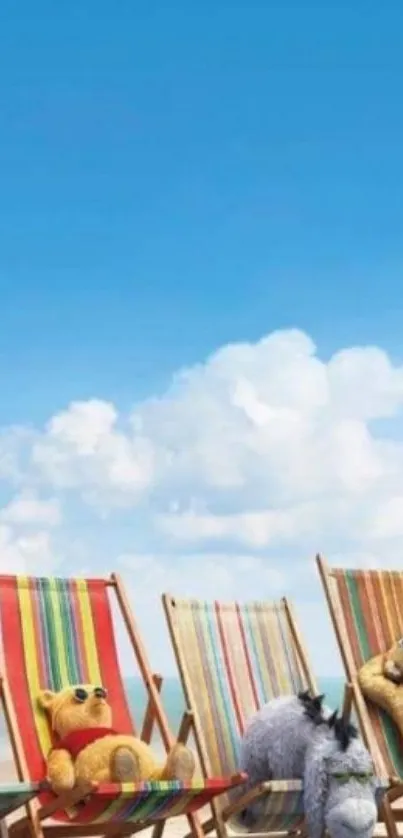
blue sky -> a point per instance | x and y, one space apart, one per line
175 178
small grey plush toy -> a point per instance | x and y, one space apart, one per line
297 737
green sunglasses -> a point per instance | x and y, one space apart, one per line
361 777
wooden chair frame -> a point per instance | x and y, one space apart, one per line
356 699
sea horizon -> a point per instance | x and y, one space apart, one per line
174 704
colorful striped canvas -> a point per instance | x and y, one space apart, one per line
236 658
57 632
149 802
283 809
232 659
370 617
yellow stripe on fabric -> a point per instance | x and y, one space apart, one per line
31 661
90 641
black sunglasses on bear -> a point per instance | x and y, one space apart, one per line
81 695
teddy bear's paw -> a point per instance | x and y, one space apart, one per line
180 764
61 784
125 766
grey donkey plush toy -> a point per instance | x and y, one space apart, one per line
297 737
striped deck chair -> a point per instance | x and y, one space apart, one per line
232 658
58 632
366 608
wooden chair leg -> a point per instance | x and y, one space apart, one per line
347 702
158 829
214 824
149 718
207 826
196 827
390 822
26 828
185 727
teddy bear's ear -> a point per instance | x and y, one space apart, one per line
45 699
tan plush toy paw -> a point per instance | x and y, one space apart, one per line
381 680
88 749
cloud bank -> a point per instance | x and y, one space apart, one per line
223 486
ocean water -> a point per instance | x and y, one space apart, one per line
174 704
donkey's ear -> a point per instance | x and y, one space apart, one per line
332 719
315 793
45 699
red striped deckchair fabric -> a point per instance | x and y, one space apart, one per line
233 658
367 611
58 632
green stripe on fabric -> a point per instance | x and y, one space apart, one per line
66 614
47 613
356 611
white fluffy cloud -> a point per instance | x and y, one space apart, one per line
219 576
28 509
263 425
263 454
83 448
31 553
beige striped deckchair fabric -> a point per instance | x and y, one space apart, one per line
232 658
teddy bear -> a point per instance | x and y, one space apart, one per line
88 749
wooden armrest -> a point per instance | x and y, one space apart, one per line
396 789
246 798
67 799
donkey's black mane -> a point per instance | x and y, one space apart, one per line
343 730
